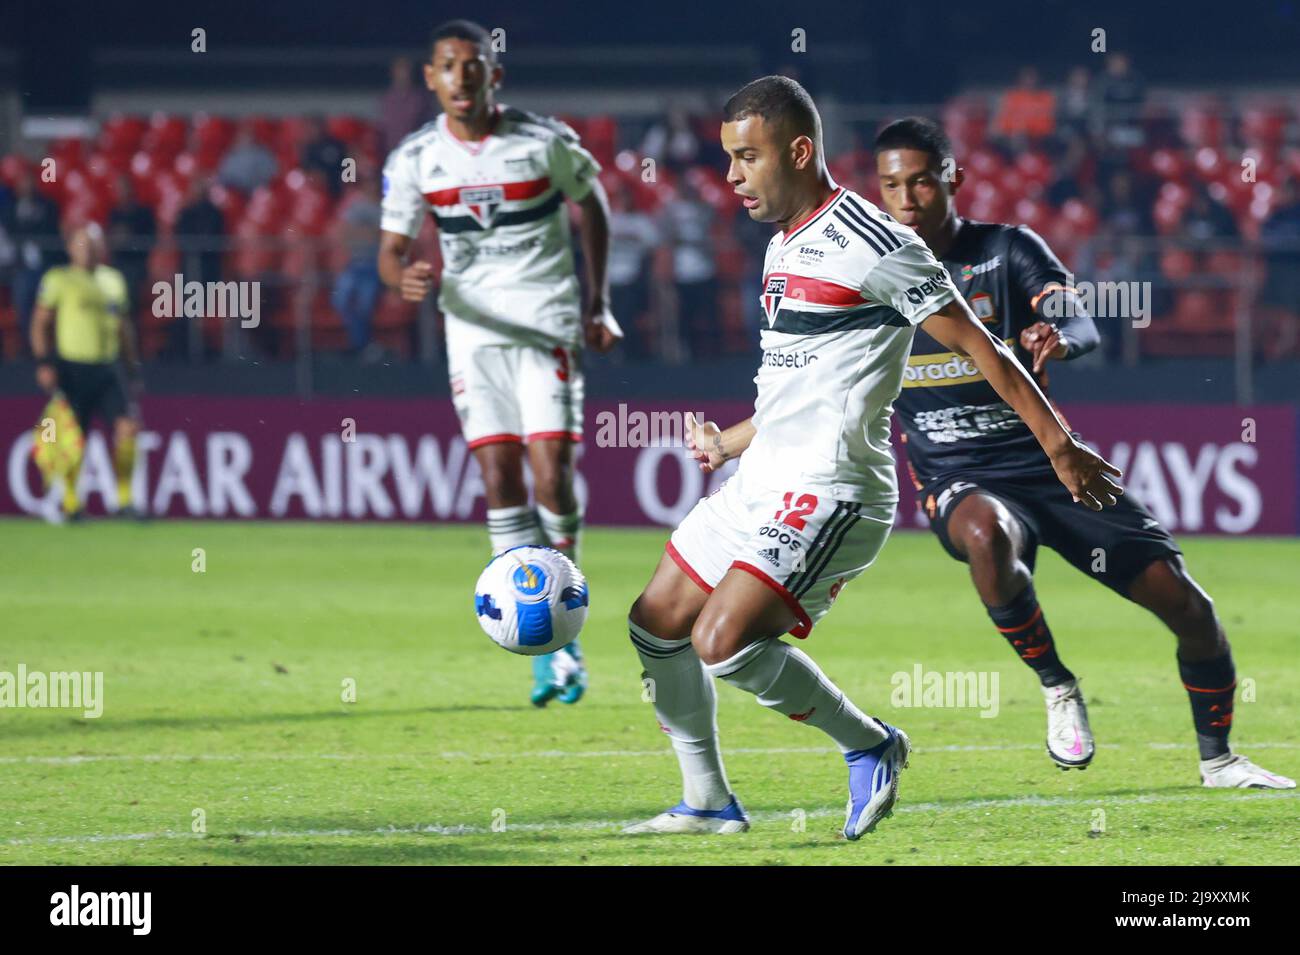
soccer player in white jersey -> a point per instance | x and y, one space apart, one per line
813 500
496 180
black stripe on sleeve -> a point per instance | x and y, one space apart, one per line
861 233
891 241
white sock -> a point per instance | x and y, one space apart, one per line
686 704
787 680
512 526
563 531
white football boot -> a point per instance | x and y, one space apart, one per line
683 820
1069 738
1234 771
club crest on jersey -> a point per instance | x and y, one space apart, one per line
772 295
482 202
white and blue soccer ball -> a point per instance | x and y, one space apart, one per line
531 600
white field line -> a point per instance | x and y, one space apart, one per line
612 826
549 754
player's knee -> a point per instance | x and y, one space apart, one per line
502 482
663 619
987 541
551 484
1173 596
717 636
1195 609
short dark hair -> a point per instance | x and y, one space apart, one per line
465 30
777 99
915 132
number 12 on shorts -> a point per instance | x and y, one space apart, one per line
796 512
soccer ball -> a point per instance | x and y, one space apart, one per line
531 600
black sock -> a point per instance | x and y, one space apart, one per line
1023 624
1210 686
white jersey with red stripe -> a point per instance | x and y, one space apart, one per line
842 294
507 257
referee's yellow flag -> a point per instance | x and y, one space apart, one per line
57 440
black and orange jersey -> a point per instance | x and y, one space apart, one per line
953 421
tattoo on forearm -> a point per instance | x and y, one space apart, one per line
717 447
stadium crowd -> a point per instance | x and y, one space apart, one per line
1198 197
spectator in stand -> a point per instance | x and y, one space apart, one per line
688 225
1123 254
1208 219
672 141
357 287
131 233
1123 94
1028 111
1280 238
1071 174
404 107
200 232
324 154
1074 115
1124 213
31 222
247 165
633 236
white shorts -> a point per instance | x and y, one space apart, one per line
804 546
516 393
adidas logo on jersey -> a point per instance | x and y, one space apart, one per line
771 555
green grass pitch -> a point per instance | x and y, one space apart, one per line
224 712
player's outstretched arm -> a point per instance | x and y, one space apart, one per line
413 281
42 342
1081 470
712 447
600 329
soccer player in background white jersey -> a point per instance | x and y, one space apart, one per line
844 287
496 180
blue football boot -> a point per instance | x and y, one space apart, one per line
873 781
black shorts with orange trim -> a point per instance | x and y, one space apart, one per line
1112 545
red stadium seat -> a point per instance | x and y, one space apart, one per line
11 167
1081 216
1168 215
121 135
346 129
265 129
1208 164
1170 164
984 164
1032 213
987 202
1202 124
165 136
231 202
1177 265
1034 167
1264 125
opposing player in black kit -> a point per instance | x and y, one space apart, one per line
990 493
